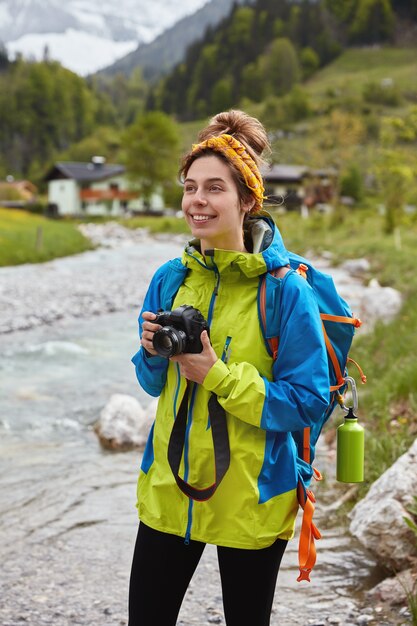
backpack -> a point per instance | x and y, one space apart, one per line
338 329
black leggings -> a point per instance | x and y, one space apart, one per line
163 566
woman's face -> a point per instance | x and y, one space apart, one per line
211 204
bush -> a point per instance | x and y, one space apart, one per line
351 183
386 94
38 208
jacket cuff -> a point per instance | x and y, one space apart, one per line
151 360
217 378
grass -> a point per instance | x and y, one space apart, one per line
356 67
27 238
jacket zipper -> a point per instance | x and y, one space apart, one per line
190 413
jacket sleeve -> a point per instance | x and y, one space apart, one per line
299 392
151 371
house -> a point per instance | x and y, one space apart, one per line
17 193
297 187
94 188
285 185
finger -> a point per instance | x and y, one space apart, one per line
148 315
148 326
149 347
205 339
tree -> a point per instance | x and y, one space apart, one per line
252 84
152 146
373 22
4 58
351 183
222 95
310 61
395 180
104 141
279 66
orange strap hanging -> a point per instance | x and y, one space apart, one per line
362 375
308 534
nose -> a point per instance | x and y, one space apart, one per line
200 197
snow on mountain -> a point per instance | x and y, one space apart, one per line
86 35
79 51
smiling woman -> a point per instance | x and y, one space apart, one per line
227 407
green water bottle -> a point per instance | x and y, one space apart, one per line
350 450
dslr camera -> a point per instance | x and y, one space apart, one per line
180 332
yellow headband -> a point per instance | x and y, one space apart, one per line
236 153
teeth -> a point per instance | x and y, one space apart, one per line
201 218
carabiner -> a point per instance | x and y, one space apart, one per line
350 381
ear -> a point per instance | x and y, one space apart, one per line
248 206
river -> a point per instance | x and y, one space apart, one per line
67 514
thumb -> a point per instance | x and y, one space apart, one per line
205 339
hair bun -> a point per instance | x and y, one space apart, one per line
246 129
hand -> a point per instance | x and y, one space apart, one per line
195 367
148 331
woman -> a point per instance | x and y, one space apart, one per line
251 515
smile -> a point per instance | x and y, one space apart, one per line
202 218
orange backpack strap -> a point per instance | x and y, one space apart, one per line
309 531
308 534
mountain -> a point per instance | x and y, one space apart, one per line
169 48
86 35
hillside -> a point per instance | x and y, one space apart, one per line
266 48
359 105
169 48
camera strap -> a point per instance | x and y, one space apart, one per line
220 443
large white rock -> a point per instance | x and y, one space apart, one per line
123 423
378 520
379 303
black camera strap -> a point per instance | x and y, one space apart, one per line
220 443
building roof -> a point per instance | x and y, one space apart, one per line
83 172
285 173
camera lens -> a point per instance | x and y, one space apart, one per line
169 341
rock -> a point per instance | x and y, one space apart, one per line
393 591
356 267
379 303
378 520
123 423
112 234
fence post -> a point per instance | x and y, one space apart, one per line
39 239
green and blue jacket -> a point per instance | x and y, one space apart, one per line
264 399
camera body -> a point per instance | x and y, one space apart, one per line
180 332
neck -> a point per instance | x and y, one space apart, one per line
224 244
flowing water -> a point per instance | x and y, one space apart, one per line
67 515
